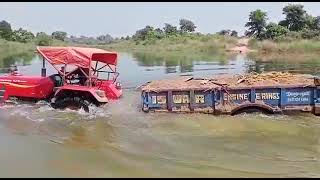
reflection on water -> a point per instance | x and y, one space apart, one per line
306 66
119 140
21 59
178 62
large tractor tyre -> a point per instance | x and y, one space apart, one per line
72 103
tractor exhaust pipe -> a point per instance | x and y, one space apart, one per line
43 70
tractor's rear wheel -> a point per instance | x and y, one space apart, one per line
72 103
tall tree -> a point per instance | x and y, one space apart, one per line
40 34
143 33
224 32
312 23
234 33
5 30
42 39
257 23
169 29
22 35
60 35
187 25
295 17
317 23
105 38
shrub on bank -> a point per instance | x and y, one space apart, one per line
301 46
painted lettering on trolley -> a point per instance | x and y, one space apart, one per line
267 96
233 97
298 96
245 96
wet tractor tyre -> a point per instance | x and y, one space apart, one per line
72 103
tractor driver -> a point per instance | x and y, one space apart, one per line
78 74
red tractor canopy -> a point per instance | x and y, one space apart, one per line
78 56
81 58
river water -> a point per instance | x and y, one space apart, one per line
119 140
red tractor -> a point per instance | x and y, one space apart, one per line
78 83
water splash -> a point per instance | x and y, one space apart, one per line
94 112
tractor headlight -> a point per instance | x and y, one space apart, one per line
100 93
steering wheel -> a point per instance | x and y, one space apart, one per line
57 78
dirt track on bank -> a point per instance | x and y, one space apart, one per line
241 46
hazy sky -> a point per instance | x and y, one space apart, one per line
124 18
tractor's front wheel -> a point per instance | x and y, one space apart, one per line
72 103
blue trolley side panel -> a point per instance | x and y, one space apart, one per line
277 98
298 96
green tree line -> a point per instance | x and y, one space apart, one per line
43 39
149 32
24 36
296 24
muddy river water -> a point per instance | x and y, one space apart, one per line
119 140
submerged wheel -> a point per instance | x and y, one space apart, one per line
252 110
72 103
